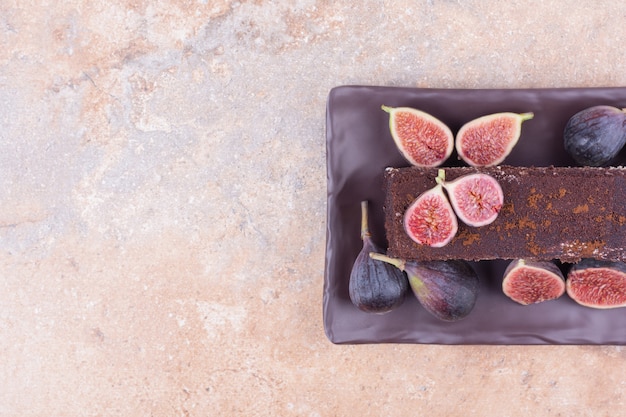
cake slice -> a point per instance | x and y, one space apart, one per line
562 213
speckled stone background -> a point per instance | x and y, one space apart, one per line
163 202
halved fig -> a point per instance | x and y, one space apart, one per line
476 198
430 219
423 140
530 282
488 140
597 284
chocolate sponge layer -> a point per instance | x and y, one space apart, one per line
562 213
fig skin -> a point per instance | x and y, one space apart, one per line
476 198
597 283
430 219
488 140
375 287
531 282
594 136
446 289
421 138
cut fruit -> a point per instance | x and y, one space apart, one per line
430 220
475 198
423 140
597 284
531 282
488 140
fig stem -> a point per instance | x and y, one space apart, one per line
365 230
387 108
526 116
441 176
398 263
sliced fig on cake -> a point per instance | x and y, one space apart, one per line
430 220
597 284
476 198
423 140
446 289
530 282
488 140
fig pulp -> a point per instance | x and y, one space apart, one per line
475 198
446 289
488 140
375 287
594 136
597 284
430 219
423 140
530 282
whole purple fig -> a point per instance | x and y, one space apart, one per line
446 289
375 287
594 136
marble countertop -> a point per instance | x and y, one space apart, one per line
163 204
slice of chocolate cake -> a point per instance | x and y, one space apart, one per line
548 213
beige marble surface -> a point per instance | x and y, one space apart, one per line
162 204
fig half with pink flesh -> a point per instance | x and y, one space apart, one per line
423 140
488 140
597 283
530 282
430 220
476 198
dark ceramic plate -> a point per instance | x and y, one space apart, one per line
359 148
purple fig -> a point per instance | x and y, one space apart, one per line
375 287
446 289
595 135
